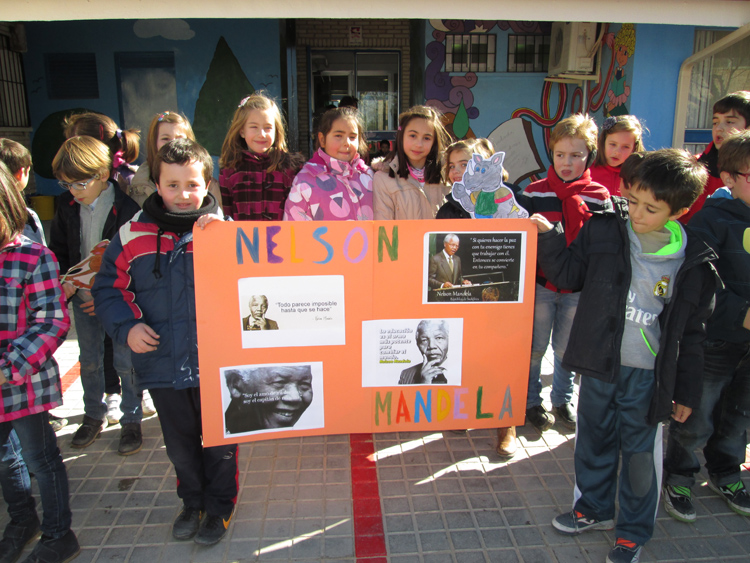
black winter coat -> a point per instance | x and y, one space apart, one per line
65 231
597 263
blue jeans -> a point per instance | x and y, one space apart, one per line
612 423
91 343
42 456
553 313
15 481
720 422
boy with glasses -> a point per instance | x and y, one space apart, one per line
92 209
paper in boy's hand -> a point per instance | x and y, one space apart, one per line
82 274
482 192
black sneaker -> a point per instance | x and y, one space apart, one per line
575 523
212 529
540 418
736 496
15 538
131 439
186 524
566 415
678 503
624 551
87 432
50 550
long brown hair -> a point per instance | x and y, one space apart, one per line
234 144
13 212
346 113
619 124
433 171
153 133
104 128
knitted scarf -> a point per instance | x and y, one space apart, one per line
574 209
170 222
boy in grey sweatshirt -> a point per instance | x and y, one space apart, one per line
646 291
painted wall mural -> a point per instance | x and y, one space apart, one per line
496 104
225 85
213 68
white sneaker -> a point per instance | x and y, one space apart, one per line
147 405
113 408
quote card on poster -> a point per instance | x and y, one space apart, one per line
474 267
291 311
260 398
412 352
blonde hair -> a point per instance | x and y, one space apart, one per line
626 38
103 128
234 144
13 212
577 126
479 146
153 133
619 124
80 158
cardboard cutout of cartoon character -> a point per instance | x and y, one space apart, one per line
482 192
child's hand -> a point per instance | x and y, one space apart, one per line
541 222
142 338
680 412
69 289
88 308
204 220
746 322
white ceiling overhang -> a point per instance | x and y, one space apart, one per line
722 13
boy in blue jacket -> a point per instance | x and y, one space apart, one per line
646 291
720 422
145 296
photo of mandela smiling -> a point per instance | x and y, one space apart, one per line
267 397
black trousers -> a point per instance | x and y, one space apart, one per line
207 478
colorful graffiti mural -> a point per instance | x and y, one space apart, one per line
463 97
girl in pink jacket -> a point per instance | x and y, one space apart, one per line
335 184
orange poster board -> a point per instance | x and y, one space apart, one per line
312 328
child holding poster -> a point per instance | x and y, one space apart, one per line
336 184
145 296
646 287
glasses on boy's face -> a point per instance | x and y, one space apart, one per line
745 175
80 186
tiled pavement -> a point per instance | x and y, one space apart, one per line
440 497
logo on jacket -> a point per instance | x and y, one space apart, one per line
662 287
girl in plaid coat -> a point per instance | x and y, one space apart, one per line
33 323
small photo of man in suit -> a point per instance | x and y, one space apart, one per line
257 320
445 266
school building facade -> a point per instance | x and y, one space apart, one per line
509 76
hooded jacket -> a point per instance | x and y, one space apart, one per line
147 277
722 224
597 263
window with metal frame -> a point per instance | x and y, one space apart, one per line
14 109
71 76
528 53
471 52
712 79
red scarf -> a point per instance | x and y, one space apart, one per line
574 209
